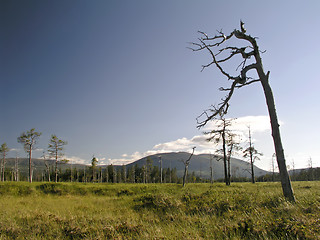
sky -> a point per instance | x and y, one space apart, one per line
115 79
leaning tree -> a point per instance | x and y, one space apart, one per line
186 165
249 60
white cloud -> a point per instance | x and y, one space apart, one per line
302 159
256 123
240 125
101 161
14 150
38 150
74 159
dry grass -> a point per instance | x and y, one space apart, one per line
154 211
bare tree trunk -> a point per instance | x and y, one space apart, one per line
229 162
170 173
56 171
225 156
185 175
16 170
251 157
3 165
30 171
160 169
186 165
284 176
252 171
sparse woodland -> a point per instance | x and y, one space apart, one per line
62 200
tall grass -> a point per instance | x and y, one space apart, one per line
158 211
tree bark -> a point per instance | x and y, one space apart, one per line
284 176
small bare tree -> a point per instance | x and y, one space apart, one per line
253 155
47 165
233 147
186 165
250 59
218 135
222 134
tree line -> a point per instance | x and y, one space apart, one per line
147 173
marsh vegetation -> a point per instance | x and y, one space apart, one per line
158 211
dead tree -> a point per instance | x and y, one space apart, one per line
249 60
223 135
186 165
47 166
253 155
233 146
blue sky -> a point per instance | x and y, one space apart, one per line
115 78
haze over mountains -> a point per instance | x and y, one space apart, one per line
200 164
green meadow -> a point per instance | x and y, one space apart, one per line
158 211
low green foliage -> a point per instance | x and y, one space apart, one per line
158 211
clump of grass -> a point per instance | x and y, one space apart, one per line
125 192
16 189
158 202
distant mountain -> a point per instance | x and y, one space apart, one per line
38 164
200 165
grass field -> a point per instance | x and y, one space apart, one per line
158 211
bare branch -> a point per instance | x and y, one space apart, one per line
220 110
215 62
221 36
233 52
